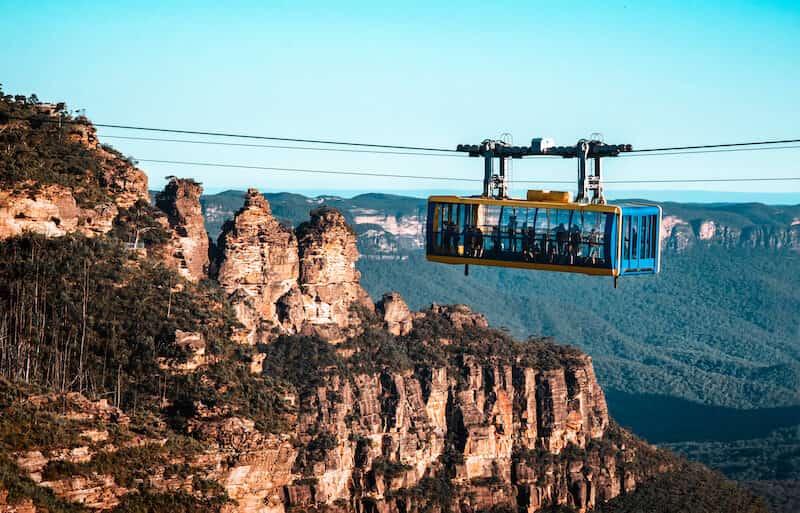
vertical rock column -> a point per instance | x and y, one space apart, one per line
187 249
259 265
329 285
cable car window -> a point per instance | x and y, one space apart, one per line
645 236
626 237
562 237
654 236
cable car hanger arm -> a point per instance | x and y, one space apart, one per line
496 185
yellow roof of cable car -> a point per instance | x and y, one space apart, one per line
535 199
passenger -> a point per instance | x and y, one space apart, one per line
562 238
456 237
496 240
575 244
546 245
537 252
468 240
531 242
478 243
594 243
449 232
527 246
512 233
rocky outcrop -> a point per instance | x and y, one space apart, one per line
328 280
187 248
53 212
282 282
193 345
37 199
398 319
258 265
21 506
679 234
487 433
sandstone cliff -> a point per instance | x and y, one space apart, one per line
58 179
678 234
280 281
258 264
460 418
187 248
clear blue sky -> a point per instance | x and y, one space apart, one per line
649 74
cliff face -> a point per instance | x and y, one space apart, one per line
187 248
328 281
480 422
282 282
51 211
491 433
45 193
258 265
679 234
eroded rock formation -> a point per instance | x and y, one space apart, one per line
490 425
48 206
187 248
259 264
329 280
679 233
282 282
53 212
394 311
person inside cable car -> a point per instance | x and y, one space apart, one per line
512 233
478 242
562 238
536 249
456 238
594 244
468 240
527 244
574 244
545 246
497 244
449 231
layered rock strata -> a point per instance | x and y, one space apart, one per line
679 234
398 319
280 281
259 264
491 425
53 212
187 248
53 209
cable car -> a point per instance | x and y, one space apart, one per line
545 231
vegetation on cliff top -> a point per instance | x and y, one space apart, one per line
36 150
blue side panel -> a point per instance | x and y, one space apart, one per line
640 239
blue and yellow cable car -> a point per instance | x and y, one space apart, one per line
546 230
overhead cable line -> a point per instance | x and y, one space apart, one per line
403 153
725 145
443 178
316 171
235 135
282 147
723 150
358 144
